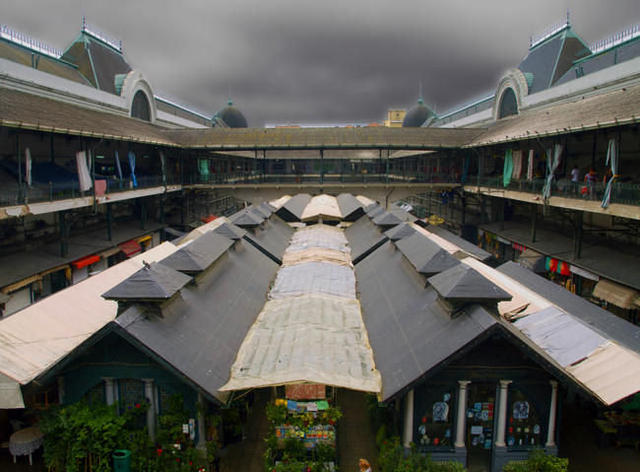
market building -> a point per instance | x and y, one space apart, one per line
105 186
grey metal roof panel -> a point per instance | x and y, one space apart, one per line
260 210
200 332
541 62
426 256
200 254
362 236
106 64
463 283
402 214
272 236
466 246
293 209
230 231
350 207
374 211
246 218
153 282
386 219
400 231
409 331
607 323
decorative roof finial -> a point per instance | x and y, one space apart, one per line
568 19
84 23
420 99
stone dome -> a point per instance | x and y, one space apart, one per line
231 116
417 115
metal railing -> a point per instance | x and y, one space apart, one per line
622 192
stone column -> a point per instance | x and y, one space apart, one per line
502 413
551 430
109 390
201 431
462 413
407 436
151 411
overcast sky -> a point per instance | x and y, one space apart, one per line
319 61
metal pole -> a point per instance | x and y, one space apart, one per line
109 223
534 221
19 156
64 247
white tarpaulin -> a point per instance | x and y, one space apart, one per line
280 201
10 393
84 179
366 201
316 255
314 338
319 236
609 371
314 277
325 206
35 338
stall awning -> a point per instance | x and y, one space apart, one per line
130 247
86 261
615 294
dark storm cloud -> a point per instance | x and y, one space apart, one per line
309 61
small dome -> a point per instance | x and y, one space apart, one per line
417 115
231 116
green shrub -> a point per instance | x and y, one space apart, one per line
392 458
538 462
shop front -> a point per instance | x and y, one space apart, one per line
493 414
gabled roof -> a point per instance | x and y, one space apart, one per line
350 207
462 243
153 282
247 217
386 218
462 283
292 210
400 231
199 332
363 237
200 254
374 210
426 256
409 331
230 231
271 237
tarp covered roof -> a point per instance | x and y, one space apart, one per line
312 338
200 332
319 236
35 338
152 282
322 206
409 331
316 254
585 348
314 277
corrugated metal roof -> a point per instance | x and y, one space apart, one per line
35 338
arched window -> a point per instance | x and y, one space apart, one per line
140 106
508 104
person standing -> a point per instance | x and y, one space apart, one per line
575 178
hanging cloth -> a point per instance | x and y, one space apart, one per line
553 161
465 170
508 167
163 168
132 166
530 166
84 179
612 155
27 166
517 164
118 168
204 167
